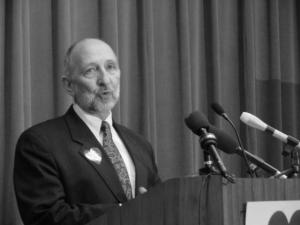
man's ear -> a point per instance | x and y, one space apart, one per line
67 84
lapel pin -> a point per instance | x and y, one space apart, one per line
93 154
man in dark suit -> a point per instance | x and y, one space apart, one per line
72 169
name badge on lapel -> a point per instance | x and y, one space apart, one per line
93 154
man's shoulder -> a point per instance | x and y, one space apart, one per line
55 124
48 127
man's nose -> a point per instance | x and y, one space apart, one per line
103 76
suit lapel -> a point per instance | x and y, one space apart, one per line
81 134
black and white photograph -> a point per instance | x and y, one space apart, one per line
150 112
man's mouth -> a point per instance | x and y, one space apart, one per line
104 95
106 92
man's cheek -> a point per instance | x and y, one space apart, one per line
85 88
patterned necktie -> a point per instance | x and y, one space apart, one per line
115 157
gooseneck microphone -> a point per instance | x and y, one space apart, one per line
220 111
256 123
200 126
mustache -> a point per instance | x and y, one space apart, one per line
103 91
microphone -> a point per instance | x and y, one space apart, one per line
196 121
227 144
200 126
220 111
256 123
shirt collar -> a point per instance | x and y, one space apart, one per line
90 120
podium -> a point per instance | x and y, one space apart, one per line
199 200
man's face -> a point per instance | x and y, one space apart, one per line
95 77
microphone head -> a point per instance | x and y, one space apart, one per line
218 108
253 121
195 121
224 141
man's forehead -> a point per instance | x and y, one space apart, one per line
92 46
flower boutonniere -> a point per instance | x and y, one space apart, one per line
93 154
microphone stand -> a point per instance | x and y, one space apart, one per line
208 168
294 170
208 142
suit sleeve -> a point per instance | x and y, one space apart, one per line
40 192
156 178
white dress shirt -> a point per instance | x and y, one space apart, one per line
94 124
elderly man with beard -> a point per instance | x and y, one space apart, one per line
72 169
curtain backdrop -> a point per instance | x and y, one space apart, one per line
176 56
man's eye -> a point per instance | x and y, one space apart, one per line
111 66
90 71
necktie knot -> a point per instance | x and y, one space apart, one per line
105 127
107 136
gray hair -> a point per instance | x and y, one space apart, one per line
67 59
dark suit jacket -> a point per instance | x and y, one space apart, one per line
56 184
